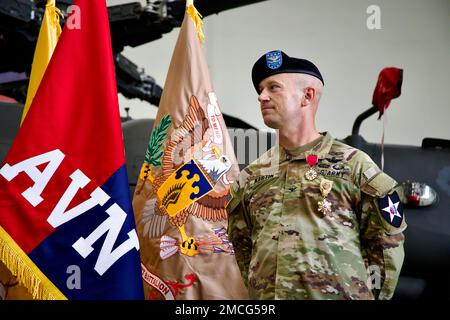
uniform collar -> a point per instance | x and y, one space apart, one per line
320 147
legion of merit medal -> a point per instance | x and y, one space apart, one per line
311 174
325 188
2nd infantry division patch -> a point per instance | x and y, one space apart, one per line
391 209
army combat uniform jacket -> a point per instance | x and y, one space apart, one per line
287 249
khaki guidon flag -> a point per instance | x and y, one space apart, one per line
184 185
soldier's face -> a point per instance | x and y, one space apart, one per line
280 100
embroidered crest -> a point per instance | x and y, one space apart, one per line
183 187
274 60
391 209
188 183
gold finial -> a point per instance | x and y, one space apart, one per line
196 18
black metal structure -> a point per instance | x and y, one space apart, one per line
132 24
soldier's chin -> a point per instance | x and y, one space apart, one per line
271 123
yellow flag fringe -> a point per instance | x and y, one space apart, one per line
27 273
198 22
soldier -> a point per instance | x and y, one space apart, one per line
312 218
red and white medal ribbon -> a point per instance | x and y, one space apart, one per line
312 160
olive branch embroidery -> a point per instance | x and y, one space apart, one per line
154 153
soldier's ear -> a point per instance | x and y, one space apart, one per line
308 96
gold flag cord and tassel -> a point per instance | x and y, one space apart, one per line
196 18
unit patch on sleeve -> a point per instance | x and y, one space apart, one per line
391 209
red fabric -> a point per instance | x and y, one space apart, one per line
388 87
75 110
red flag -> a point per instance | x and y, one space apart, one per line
66 222
388 87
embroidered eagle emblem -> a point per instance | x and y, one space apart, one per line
182 146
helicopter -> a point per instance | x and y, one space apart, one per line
132 24
423 172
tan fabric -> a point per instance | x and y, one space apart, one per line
213 272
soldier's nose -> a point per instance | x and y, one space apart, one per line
263 96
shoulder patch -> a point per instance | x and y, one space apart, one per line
391 209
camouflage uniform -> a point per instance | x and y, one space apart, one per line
287 249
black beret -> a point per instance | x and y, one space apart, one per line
277 61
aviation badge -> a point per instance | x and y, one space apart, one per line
325 205
391 209
312 160
274 59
